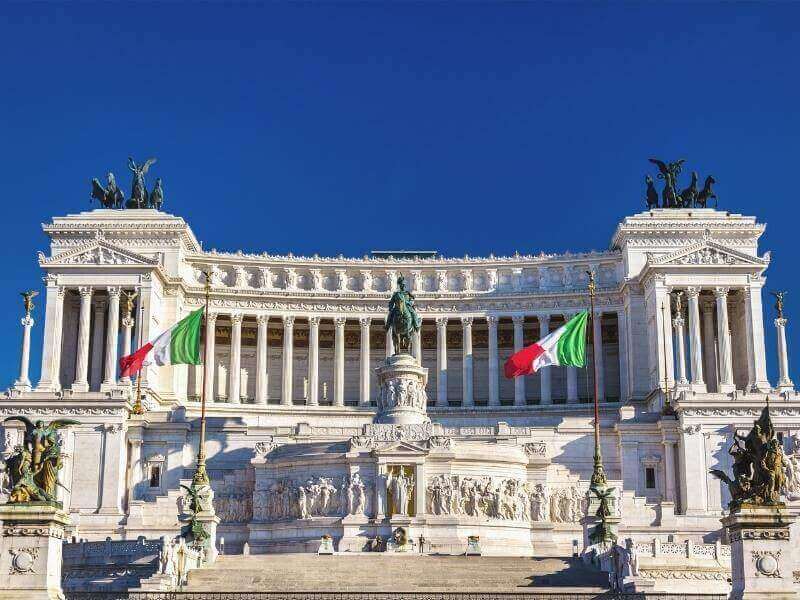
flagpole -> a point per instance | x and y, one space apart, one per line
598 473
138 408
200 474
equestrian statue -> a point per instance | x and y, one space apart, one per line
403 320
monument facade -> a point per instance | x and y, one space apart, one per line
323 422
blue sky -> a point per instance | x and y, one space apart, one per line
461 127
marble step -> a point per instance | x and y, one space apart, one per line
388 573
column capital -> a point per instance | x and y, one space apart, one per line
27 321
518 319
211 318
466 321
692 292
127 322
441 322
288 321
492 320
314 320
113 291
262 319
50 280
61 291
364 322
339 321
781 322
721 292
85 291
236 318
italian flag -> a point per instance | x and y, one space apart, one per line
566 346
178 345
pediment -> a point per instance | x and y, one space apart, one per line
708 253
400 448
97 252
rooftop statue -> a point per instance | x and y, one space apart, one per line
403 320
27 300
758 466
689 197
111 196
779 302
34 465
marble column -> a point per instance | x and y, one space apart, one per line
669 470
695 339
98 331
494 381
726 383
112 488
235 371
51 348
441 361
338 361
519 340
262 359
210 358
313 361
680 351
363 397
622 342
416 344
693 488
127 341
755 327
81 383
23 383
112 337
544 374
784 382
389 343
288 360
469 398
597 348
709 344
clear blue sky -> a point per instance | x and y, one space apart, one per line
462 127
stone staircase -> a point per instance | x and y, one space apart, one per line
157 516
384 572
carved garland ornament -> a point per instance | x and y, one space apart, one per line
22 560
767 562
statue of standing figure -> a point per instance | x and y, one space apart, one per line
139 197
403 320
399 488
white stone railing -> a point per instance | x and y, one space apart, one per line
688 549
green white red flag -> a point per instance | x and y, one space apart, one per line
566 346
178 345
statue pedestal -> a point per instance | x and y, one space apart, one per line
761 566
30 551
209 521
402 399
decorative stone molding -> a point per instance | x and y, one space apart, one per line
361 443
767 562
264 447
440 442
535 449
23 560
396 433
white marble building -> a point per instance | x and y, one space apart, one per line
293 343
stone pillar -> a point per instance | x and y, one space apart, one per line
51 348
519 340
754 313
313 361
389 343
761 553
235 371
629 458
23 383
30 551
113 469
363 396
441 361
624 365
112 337
597 339
494 381
669 470
288 359
694 474
726 383
695 339
262 359
784 382
544 374
338 361
710 346
210 358
81 383
680 350
416 344
419 489
469 399
127 341
135 477
98 323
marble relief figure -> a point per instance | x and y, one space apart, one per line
286 499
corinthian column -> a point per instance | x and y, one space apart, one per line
262 367
677 324
235 375
724 339
784 382
313 361
288 358
51 349
210 359
363 398
81 383
127 338
469 399
494 381
338 361
544 374
112 336
23 384
695 339
709 345
519 340
441 361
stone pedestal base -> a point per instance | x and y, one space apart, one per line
761 566
402 399
210 522
30 551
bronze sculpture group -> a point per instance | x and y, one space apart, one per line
33 467
403 319
111 196
689 197
758 466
